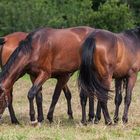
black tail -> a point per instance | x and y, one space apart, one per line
88 80
2 40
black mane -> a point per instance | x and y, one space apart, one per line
25 47
133 32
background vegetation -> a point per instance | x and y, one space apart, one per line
26 15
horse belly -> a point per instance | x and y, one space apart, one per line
65 66
67 62
121 70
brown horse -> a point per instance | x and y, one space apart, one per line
44 53
106 55
8 44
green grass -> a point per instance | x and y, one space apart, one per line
62 128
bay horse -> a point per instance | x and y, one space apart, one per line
8 44
106 55
45 53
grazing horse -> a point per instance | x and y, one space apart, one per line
44 53
8 44
107 55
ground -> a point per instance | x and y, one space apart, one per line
62 128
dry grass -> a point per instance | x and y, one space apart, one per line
62 128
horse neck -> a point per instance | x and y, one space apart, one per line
15 70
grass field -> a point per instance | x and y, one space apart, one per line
62 128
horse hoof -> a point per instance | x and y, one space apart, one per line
84 123
90 120
34 123
39 124
108 123
125 120
50 120
116 120
16 122
96 121
70 117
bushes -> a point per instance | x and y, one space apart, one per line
113 16
26 15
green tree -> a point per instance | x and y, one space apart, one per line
26 15
135 6
113 16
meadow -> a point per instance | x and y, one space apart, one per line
63 128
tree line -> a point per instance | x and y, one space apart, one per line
26 15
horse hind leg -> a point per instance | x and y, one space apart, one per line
106 82
98 113
83 101
12 112
130 84
118 98
68 98
91 109
60 84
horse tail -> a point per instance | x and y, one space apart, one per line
2 42
88 79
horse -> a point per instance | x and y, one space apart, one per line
45 53
8 44
106 55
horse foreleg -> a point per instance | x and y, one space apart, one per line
11 111
60 84
40 117
39 81
39 99
131 82
32 111
118 98
68 98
